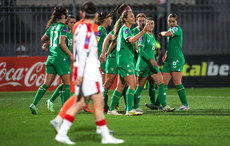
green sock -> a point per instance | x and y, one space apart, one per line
152 92
137 96
115 99
129 99
41 91
106 98
182 94
56 93
161 95
65 93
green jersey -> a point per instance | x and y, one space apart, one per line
175 44
135 31
100 38
125 49
55 32
146 48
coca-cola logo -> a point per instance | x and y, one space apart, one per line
27 76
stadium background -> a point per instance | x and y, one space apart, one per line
205 25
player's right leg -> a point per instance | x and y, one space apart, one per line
41 91
68 120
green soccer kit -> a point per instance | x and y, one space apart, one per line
57 61
125 56
146 49
100 38
175 58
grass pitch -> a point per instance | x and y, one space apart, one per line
206 123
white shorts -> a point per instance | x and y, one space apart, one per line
91 84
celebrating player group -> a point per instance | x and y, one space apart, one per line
95 58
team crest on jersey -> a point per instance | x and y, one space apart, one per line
141 39
64 29
126 31
175 29
129 70
112 69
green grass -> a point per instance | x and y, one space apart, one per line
206 123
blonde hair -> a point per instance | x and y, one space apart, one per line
141 15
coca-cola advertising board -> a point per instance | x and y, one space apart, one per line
23 73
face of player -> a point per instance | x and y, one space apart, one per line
109 21
152 25
140 21
71 23
172 22
130 18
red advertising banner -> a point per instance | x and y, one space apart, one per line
23 73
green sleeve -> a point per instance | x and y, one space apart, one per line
143 53
127 33
175 31
64 30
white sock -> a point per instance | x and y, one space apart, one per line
59 119
65 127
104 130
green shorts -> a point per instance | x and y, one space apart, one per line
111 65
145 71
59 67
170 66
126 70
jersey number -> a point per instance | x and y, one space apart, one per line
54 36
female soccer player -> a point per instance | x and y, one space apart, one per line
147 66
125 57
88 81
70 22
174 59
57 62
111 65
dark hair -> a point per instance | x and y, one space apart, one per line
172 15
119 24
57 13
121 8
70 17
89 9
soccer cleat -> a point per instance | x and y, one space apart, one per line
50 105
152 106
113 112
64 139
111 140
139 110
56 125
183 108
86 108
130 113
33 109
168 109
98 131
